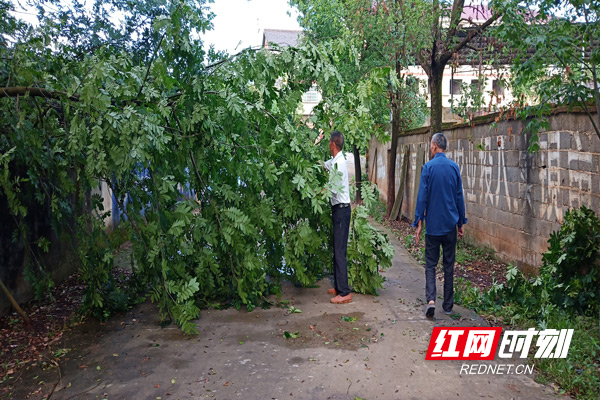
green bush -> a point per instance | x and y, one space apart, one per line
573 261
569 277
563 296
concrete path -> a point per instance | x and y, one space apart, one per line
244 355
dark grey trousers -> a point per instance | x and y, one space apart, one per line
432 256
341 227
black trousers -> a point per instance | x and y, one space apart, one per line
432 256
341 227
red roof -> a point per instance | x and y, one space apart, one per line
476 12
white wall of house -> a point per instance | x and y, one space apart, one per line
467 74
310 99
490 81
107 202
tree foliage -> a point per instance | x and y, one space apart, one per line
383 32
556 52
211 166
573 258
451 32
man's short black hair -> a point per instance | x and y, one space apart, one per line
338 138
440 140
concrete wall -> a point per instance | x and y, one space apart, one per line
109 203
514 199
14 256
61 260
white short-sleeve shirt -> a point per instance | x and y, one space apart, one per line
339 163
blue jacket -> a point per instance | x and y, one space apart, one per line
440 201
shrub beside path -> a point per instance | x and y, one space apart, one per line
373 348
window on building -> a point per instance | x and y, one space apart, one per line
475 84
498 87
455 86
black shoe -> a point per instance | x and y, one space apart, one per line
430 310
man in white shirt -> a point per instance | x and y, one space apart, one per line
340 211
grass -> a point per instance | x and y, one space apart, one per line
579 373
377 211
467 250
118 236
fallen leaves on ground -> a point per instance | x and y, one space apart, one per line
52 316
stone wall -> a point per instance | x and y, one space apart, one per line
514 199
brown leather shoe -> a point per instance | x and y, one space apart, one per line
332 291
342 299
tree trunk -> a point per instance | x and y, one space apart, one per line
596 99
391 170
357 173
596 90
435 88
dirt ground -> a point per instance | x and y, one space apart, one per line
346 331
51 317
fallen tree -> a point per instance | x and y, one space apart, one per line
211 168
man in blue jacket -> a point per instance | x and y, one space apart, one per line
441 205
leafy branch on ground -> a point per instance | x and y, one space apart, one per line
214 173
369 250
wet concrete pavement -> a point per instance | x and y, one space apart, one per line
377 351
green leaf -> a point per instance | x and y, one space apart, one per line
295 310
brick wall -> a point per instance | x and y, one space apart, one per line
514 199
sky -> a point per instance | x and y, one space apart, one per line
237 23
244 21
